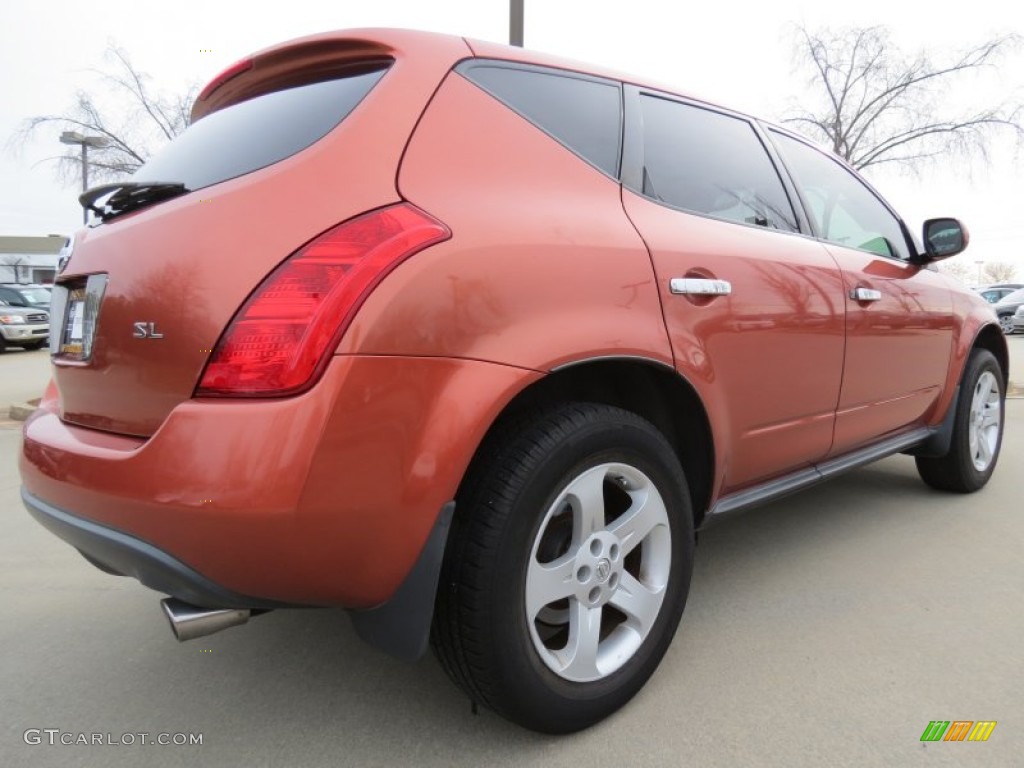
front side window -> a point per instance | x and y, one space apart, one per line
843 210
711 163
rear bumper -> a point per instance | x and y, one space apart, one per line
324 499
126 555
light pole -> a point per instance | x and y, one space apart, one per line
73 137
515 22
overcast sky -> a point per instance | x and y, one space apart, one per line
737 53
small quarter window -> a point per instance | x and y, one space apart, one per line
584 115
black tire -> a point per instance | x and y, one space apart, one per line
3 345
966 467
506 514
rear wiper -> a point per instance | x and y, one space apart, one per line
125 196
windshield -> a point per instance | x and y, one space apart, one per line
35 295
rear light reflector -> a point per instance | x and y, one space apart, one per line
279 342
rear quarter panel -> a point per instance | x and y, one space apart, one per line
543 267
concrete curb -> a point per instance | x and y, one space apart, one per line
21 411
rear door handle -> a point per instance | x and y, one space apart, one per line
865 294
699 286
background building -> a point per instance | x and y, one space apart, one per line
29 259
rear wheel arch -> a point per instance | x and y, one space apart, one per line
650 389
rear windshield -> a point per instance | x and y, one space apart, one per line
258 132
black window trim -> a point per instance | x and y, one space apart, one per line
633 156
465 66
911 246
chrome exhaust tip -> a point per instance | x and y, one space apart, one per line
190 621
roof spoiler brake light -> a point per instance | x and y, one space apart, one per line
231 72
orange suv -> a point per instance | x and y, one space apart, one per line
469 341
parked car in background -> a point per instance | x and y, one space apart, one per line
993 294
19 295
474 340
1018 320
23 327
1007 307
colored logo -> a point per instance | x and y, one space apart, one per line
958 730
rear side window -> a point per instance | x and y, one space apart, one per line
584 114
258 132
711 163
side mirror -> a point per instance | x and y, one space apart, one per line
943 238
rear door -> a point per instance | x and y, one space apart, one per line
899 317
754 308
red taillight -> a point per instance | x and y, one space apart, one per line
279 341
233 71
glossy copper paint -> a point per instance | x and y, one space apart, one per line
162 270
767 360
324 499
542 268
327 498
897 349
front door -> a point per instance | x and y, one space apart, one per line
899 316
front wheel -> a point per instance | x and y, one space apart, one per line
568 566
977 430
1006 324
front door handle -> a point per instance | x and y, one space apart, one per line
865 294
699 286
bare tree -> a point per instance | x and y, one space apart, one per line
963 271
14 261
999 272
876 104
131 116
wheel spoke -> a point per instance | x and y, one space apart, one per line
636 523
984 453
991 417
586 496
640 604
548 582
580 654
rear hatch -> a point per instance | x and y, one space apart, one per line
283 147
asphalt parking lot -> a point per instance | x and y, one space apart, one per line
827 629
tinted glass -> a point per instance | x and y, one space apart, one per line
256 133
711 163
584 115
843 210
